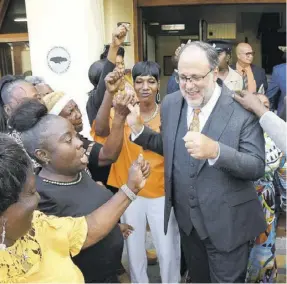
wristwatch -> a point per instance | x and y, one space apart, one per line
128 192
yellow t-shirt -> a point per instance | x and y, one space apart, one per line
129 79
130 151
44 256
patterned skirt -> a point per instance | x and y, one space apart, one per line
262 266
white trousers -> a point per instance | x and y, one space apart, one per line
167 246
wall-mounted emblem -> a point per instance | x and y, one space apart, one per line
58 59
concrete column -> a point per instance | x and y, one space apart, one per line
66 37
76 27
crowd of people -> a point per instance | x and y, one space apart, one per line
204 171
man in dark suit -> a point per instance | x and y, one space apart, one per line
254 77
208 177
277 85
172 85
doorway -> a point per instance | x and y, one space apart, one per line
235 23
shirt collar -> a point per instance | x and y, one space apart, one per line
207 109
240 68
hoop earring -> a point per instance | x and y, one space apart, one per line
157 98
2 245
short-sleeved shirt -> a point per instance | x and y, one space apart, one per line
154 186
48 248
100 261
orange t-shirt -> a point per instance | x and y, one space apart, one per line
130 151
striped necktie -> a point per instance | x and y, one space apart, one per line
194 125
245 80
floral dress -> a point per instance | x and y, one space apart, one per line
262 266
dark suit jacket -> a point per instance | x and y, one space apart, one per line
172 86
278 84
259 76
227 198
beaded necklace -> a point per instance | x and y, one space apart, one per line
61 183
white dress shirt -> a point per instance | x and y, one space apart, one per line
203 117
206 110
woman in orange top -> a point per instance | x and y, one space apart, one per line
149 206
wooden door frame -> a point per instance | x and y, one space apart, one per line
138 38
139 4
9 38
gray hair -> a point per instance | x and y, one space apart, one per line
34 80
209 50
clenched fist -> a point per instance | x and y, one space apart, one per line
200 146
119 35
126 230
121 102
113 81
138 174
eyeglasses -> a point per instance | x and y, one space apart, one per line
181 79
252 53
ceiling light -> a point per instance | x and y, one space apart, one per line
20 20
154 24
178 27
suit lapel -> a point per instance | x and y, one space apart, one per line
218 120
256 77
175 112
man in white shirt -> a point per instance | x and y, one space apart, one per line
213 148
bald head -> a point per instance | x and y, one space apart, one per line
244 54
241 47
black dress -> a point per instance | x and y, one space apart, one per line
100 262
98 173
